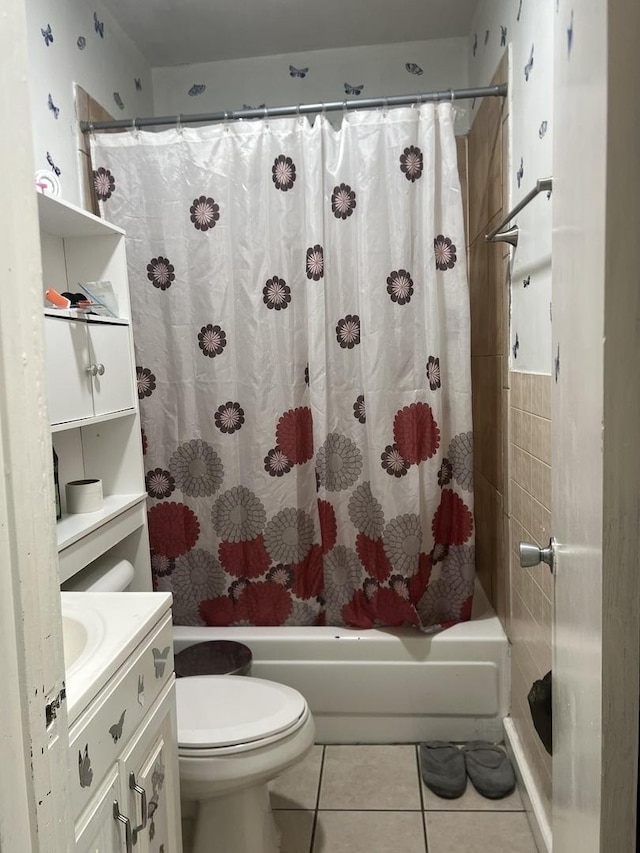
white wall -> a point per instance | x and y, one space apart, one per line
105 65
529 24
267 80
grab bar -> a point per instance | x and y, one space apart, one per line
497 235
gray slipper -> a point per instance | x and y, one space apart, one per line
489 769
442 768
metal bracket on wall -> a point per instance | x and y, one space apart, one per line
497 235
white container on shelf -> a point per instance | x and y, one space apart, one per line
84 496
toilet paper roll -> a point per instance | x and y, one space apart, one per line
84 496
106 574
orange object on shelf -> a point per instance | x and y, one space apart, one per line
57 299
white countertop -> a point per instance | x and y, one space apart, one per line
116 622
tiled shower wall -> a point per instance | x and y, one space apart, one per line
531 589
512 437
489 333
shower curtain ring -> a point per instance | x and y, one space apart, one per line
179 123
451 93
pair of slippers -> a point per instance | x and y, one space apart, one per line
445 769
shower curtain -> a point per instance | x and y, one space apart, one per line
301 318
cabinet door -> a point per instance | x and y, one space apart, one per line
151 764
67 365
97 831
111 353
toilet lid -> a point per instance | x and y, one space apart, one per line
226 710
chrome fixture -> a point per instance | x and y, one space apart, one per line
497 235
531 555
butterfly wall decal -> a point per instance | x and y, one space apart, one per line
47 35
414 68
298 72
98 25
118 100
160 660
116 729
570 35
353 90
138 83
197 89
520 172
52 107
519 11
527 281
503 36
54 168
542 129
81 42
84 768
475 44
486 37
516 346
528 66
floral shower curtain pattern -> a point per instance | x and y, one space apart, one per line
301 318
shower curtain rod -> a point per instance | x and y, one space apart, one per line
300 109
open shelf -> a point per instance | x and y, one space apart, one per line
72 528
62 219
77 314
96 419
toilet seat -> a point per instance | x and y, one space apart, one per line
221 714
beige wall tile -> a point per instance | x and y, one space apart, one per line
545 441
478 165
527 431
489 534
515 383
545 407
461 153
527 391
487 417
537 386
487 291
494 172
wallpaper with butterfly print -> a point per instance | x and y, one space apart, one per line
301 318
77 42
339 74
527 28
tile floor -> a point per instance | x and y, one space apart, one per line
370 799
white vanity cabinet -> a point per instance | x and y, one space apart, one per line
92 395
123 764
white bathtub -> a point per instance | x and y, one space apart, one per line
387 685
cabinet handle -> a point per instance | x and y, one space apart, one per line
128 838
92 369
133 785
100 369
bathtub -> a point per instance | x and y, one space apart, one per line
386 685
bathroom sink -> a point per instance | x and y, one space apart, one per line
74 636
83 629
100 630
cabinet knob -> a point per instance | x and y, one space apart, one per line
100 369
128 837
92 369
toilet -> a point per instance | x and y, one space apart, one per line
235 735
